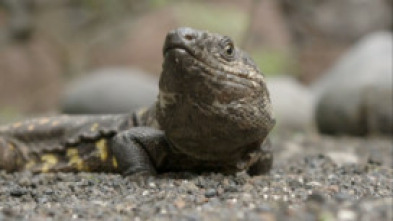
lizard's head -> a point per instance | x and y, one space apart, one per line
213 99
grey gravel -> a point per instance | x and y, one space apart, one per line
305 184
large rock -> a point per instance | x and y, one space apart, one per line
110 90
338 19
355 96
292 104
323 29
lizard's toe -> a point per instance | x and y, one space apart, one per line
10 160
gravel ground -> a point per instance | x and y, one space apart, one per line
314 178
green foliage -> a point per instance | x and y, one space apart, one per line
272 62
159 3
9 114
228 21
232 22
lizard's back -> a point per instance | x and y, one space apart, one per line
63 143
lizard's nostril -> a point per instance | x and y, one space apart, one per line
189 37
186 34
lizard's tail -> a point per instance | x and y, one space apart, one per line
10 158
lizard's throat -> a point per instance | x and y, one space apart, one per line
210 129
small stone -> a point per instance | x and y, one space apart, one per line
316 197
346 215
247 197
247 187
341 197
333 188
180 203
210 193
312 184
267 217
220 191
232 201
152 185
375 158
200 199
263 208
18 192
24 181
9 212
231 187
42 200
48 192
190 187
295 183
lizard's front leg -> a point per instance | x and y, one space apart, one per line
139 150
265 160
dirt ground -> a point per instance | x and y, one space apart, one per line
314 178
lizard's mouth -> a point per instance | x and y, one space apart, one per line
179 47
182 49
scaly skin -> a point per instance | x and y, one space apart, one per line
213 113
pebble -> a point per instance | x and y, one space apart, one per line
210 193
304 186
346 215
311 185
341 197
18 192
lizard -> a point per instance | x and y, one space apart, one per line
213 113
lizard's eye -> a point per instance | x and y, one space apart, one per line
228 48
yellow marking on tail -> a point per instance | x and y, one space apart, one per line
49 161
16 125
94 127
11 146
102 148
18 161
72 152
31 127
44 121
29 164
75 160
114 162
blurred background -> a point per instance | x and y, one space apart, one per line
328 62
